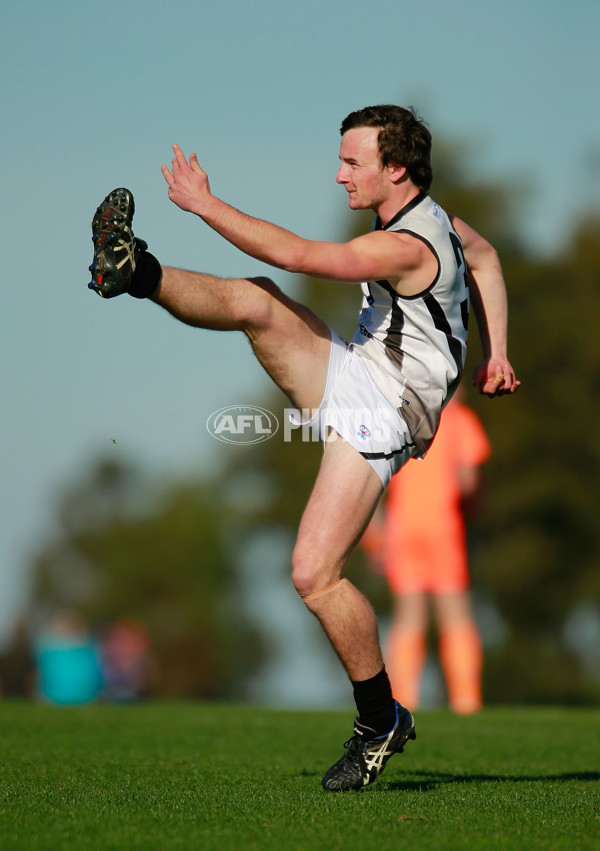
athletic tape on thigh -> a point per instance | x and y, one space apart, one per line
308 598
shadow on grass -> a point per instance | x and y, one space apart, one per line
434 779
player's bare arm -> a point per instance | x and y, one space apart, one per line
495 375
402 260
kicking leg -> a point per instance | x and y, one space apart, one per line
290 341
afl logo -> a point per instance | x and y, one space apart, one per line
242 424
364 432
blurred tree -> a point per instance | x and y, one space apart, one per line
539 542
160 556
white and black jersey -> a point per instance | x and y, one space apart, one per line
414 347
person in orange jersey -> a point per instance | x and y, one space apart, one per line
420 544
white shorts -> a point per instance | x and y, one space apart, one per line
353 407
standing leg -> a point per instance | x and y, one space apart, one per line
345 495
338 511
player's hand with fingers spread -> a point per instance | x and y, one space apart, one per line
188 182
495 377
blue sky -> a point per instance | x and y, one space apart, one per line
94 94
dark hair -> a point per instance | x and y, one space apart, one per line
404 139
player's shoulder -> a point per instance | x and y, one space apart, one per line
391 238
409 248
426 219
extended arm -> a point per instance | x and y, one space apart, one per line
370 257
494 376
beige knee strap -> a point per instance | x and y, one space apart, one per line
308 598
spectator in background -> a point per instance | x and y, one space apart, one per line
420 544
68 662
127 663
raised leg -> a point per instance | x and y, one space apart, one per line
290 341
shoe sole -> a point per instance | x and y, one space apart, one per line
113 244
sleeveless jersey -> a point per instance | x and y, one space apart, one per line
414 347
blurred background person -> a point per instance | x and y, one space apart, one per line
127 661
419 542
68 662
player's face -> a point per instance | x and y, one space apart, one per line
361 172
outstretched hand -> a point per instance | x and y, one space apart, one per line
495 378
188 182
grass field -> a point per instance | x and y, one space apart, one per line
210 776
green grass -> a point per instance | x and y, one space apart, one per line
206 776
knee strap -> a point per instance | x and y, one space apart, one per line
308 598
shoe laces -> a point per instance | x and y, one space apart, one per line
354 748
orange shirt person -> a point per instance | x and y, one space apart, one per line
422 548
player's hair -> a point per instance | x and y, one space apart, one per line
404 139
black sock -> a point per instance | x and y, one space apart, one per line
147 275
375 704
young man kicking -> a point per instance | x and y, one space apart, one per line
378 399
